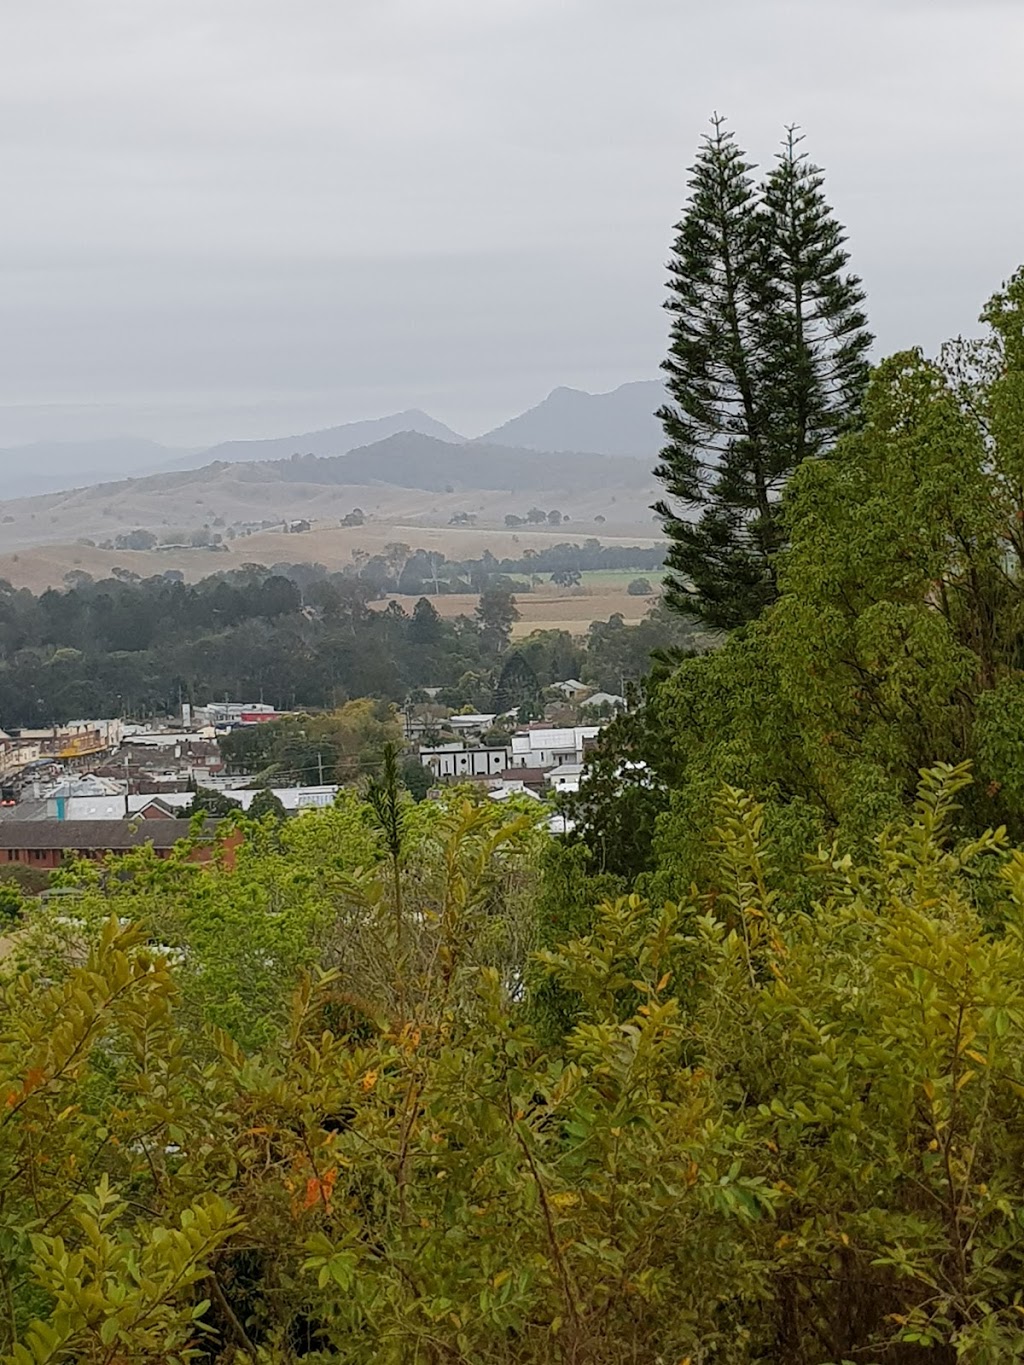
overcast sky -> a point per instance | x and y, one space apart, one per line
253 217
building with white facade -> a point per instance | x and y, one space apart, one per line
542 747
449 762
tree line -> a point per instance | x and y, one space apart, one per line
308 639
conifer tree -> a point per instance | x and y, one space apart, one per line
816 335
766 365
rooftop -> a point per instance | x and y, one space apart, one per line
95 834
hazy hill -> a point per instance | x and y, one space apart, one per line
46 466
407 477
331 441
410 459
621 422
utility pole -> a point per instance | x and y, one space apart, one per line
127 786
320 766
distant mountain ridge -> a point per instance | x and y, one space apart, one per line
616 424
620 422
410 459
407 478
331 441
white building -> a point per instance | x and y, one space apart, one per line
448 761
565 778
112 805
542 747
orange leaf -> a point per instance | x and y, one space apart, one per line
34 1077
322 1189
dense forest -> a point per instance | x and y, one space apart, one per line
298 636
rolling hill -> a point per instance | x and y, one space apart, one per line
330 441
407 478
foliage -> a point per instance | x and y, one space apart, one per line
11 903
266 803
298 635
496 614
415 778
206 801
518 685
334 746
735 1131
766 366
897 640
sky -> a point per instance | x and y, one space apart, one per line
239 218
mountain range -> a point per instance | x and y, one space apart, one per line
618 423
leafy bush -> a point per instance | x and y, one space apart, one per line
759 1133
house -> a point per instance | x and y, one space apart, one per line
566 778
156 808
140 805
544 747
293 799
221 713
45 844
533 778
470 725
17 754
503 790
599 700
570 689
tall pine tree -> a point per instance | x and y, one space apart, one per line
766 366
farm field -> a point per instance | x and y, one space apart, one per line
44 566
548 609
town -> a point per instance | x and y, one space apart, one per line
92 788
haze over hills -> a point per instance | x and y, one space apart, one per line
617 423
412 460
331 441
46 466
621 422
407 477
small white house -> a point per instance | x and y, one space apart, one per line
470 725
565 778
